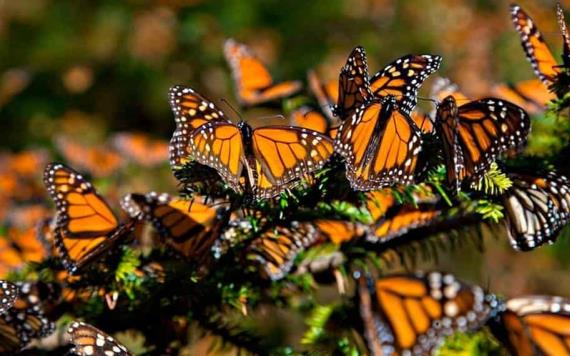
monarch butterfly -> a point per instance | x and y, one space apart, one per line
99 161
530 95
8 295
141 148
401 79
25 321
326 93
88 340
476 133
534 325
274 158
338 231
536 209
188 226
253 81
18 247
85 225
555 77
412 313
380 145
275 250
313 120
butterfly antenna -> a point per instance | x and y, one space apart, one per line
428 99
277 116
232 108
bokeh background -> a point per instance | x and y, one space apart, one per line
84 70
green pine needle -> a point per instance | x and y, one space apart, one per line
489 210
494 181
317 322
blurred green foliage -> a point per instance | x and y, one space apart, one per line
113 61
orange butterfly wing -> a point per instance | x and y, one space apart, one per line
220 145
277 248
531 95
403 78
86 226
380 146
285 154
536 50
412 313
309 119
478 132
141 148
191 110
254 83
535 324
353 86
190 227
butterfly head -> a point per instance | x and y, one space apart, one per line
447 109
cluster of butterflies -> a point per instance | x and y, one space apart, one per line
369 123
401 314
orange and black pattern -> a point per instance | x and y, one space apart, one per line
536 209
554 76
413 313
403 78
353 86
24 321
189 226
531 95
476 133
272 158
85 226
534 325
275 250
380 145
90 341
253 81
8 295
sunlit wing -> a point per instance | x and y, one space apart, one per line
531 95
380 146
191 110
413 313
220 145
253 81
536 50
286 154
403 78
309 119
86 226
98 160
